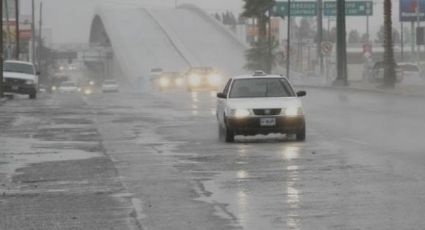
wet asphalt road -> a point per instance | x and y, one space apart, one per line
360 168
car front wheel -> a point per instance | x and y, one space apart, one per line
300 136
226 134
32 95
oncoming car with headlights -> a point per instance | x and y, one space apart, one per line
203 78
169 80
251 105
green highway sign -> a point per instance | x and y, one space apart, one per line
310 8
297 9
352 8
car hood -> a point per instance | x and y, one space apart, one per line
22 76
263 103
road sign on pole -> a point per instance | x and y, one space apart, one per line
408 10
310 8
297 9
352 8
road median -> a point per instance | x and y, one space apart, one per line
359 86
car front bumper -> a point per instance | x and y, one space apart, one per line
20 89
252 125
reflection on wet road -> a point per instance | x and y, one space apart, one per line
337 177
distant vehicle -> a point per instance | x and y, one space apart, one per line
203 78
378 73
411 73
110 86
20 77
251 105
169 80
87 89
155 72
68 87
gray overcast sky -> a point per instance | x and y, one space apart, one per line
69 20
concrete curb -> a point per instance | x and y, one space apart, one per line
359 89
4 99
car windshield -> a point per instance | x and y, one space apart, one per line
68 84
201 70
268 87
18 67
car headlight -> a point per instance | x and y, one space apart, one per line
54 88
164 82
29 82
240 113
293 111
88 91
91 83
214 79
194 80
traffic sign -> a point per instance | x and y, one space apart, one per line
310 8
408 10
326 48
352 8
297 9
367 48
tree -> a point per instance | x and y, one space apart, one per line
353 36
380 37
305 30
389 62
261 55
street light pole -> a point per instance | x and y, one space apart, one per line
320 33
17 50
341 45
1 51
288 42
33 32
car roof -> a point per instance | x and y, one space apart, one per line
19 62
257 77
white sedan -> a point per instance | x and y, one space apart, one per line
110 86
260 104
68 87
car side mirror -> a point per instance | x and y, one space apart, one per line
301 94
221 95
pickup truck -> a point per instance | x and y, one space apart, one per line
20 77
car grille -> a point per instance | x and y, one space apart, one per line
11 81
261 112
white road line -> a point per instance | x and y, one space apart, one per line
355 141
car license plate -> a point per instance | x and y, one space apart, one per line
15 87
268 121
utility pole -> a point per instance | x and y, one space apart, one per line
1 50
288 42
367 29
341 45
418 25
402 41
40 39
269 35
8 36
33 32
320 33
17 50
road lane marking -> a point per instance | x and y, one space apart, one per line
355 141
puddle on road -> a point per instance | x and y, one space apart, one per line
20 152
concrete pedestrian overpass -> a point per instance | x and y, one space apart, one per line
173 39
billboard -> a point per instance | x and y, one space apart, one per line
408 10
